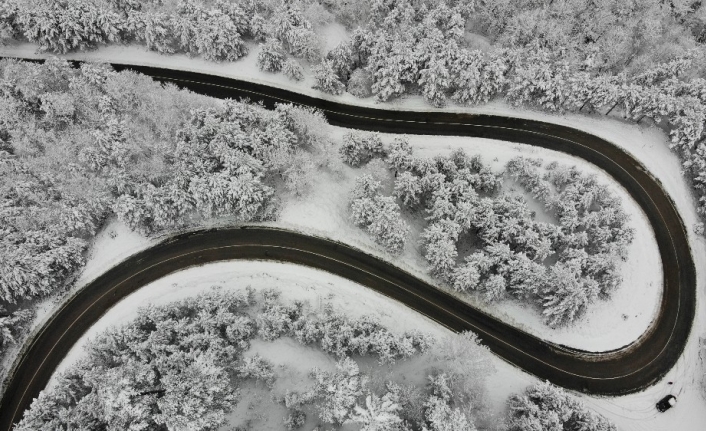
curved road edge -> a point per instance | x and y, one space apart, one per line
617 372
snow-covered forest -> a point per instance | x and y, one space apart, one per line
642 59
186 365
80 145
477 236
77 145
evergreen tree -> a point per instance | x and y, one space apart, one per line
326 79
270 57
360 148
293 70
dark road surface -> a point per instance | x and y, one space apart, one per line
621 371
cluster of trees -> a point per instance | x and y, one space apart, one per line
639 57
335 333
177 366
479 238
180 366
592 241
546 407
370 209
378 214
52 200
219 165
643 57
215 30
71 141
424 47
448 402
79 145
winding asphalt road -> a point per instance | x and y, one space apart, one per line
620 371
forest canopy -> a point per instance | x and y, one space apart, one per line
78 145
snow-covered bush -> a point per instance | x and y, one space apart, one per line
295 420
12 326
546 407
270 58
379 215
326 78
257 368
293 70
359 148
360 83
378 414
337 392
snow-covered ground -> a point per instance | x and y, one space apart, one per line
647 144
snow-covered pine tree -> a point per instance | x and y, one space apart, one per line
379 215
293 70
435 81
378 414
326 79
359 148
439 241
338 392
342 60
12 326
360 83
392 67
